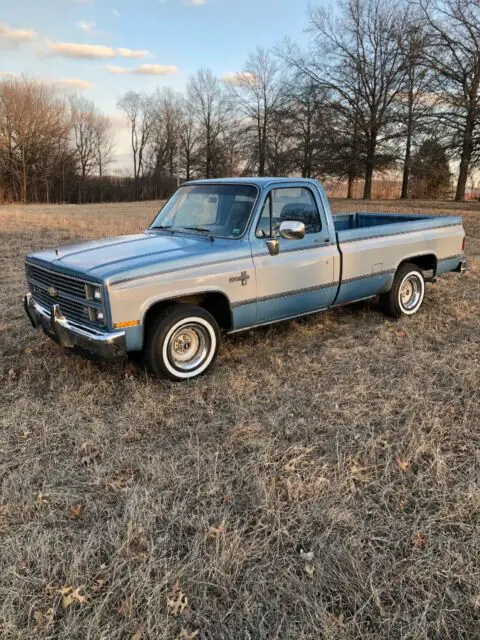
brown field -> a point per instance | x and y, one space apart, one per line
347 437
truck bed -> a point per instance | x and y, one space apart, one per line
357 226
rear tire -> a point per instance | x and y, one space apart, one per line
406 295
182 342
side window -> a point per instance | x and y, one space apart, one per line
291 203
264 229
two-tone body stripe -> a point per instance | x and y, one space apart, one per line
285 294
192 266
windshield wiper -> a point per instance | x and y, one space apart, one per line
201 229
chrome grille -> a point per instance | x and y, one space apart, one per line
49 288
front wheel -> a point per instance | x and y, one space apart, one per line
182 342
406 295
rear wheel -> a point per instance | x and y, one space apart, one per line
182 343
406 295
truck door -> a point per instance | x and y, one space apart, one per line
301 278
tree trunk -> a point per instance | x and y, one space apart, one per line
408 149
406 168
351 181
370 166
467 147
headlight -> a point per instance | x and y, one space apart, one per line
99 316
97 293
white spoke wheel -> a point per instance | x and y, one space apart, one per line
406 295
182 342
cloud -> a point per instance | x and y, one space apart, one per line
10 38
86 26
93 51
144 70
74 50
72 84
195 3
8 74
117 70
133 53
239 77
155 69
116 13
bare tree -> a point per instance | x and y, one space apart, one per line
357 57
257 94
138 109
453 53
103 145
167 114
415 101
188 136
83 127
34 125
210 107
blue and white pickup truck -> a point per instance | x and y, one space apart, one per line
226 255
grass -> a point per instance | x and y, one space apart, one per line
322 482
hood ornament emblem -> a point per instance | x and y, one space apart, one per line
52 292
56 252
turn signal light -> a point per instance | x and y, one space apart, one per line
128 323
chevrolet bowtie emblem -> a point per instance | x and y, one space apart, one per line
52 292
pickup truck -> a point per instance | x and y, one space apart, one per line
227 255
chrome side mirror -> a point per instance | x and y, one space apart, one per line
292 230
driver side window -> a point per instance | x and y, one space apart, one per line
290 203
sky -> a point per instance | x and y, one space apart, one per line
103 48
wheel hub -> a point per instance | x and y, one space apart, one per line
189 346
410 292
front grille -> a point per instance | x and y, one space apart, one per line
49 288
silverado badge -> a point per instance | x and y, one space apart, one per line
243 278
52 292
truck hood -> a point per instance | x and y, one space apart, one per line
128 256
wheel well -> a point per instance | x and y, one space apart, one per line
214 302
426 262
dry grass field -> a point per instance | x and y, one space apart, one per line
322 482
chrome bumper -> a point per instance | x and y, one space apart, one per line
107 346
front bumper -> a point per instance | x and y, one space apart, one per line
107 346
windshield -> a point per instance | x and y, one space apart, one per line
213 209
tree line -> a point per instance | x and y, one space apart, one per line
382 87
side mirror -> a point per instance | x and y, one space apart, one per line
292 230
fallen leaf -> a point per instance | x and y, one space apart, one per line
137 635
419 540
400 333
43 618
216 532
309 569
306 555
126 607
42 499
186 635
71 595
177 601
402 464
76 511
